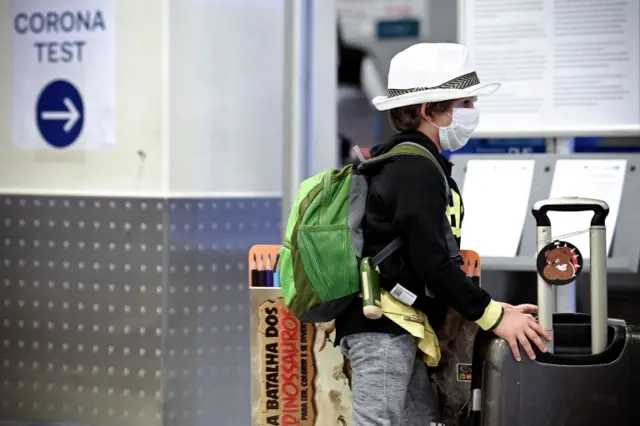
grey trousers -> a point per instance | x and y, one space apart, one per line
390 385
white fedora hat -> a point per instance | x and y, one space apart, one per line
432 72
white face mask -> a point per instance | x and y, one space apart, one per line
464 122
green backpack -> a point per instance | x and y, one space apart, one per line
319 260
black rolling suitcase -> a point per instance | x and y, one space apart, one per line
591 375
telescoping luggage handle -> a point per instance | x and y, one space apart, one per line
598 259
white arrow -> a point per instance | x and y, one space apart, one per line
71 115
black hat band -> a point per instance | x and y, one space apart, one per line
459 83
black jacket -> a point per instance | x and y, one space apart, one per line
407 198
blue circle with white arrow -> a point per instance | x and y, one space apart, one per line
60 113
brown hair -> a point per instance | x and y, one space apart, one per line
408 117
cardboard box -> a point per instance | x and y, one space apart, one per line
293 382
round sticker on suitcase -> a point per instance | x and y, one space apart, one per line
559 263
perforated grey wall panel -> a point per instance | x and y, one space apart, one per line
117 312
81 311
208 323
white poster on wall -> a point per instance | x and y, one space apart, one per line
568 67
598 179
366 20
64 82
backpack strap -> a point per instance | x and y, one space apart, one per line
387 251
412 148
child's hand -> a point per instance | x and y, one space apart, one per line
325 328
521 329
525 308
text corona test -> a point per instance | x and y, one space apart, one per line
53 24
